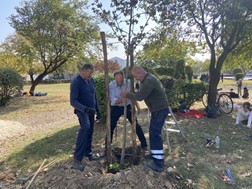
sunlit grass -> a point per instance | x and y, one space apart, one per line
57 98
55 146
207 163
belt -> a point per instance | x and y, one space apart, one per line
120 106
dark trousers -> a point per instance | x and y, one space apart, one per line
155 131
116 113
84 138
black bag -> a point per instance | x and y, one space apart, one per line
183 107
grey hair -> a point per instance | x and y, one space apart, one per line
87 67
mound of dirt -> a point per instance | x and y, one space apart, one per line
62 176
10 129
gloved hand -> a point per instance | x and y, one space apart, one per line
89 110
98 115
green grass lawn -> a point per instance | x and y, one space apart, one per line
192 159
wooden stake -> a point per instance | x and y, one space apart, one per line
34 176
108 138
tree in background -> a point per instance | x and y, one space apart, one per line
71 67
112 66
241 57
57 30
222 25
27 57
165 47
11 60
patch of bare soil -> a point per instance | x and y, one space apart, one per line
10 129
94 177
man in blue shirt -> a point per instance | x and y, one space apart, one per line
83 99
117 105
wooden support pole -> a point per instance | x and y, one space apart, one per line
108 135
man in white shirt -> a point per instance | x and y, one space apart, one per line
117 105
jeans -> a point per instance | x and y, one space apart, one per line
155 131
116 113
85 134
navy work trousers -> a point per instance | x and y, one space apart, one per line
84 138
155 132
116 113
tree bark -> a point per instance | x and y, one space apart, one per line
37 81
108 137
133 127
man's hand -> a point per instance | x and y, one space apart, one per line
121 100
124 94
138 108
89 110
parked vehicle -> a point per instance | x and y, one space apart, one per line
248 76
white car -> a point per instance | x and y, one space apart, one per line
248 76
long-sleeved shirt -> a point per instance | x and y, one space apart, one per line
115 91
152 92
242 115
82 94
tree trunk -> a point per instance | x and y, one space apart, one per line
36 82
31 78
108 137
124 120
133 127
215 72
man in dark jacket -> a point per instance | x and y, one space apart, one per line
83 99
153 93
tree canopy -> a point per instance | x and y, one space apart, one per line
221 24
26 56
57 30
166 48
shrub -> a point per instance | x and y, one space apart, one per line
189 73
193 92
101 93
239 76
10 83
237 70
180 70
167 82
188 92
164 70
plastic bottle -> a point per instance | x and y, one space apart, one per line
217 142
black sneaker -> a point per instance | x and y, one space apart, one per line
148 155
153 166
78 165
144 148
93 158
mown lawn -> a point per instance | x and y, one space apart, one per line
191 158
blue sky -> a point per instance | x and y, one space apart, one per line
6 9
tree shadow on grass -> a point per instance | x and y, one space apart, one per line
55 146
